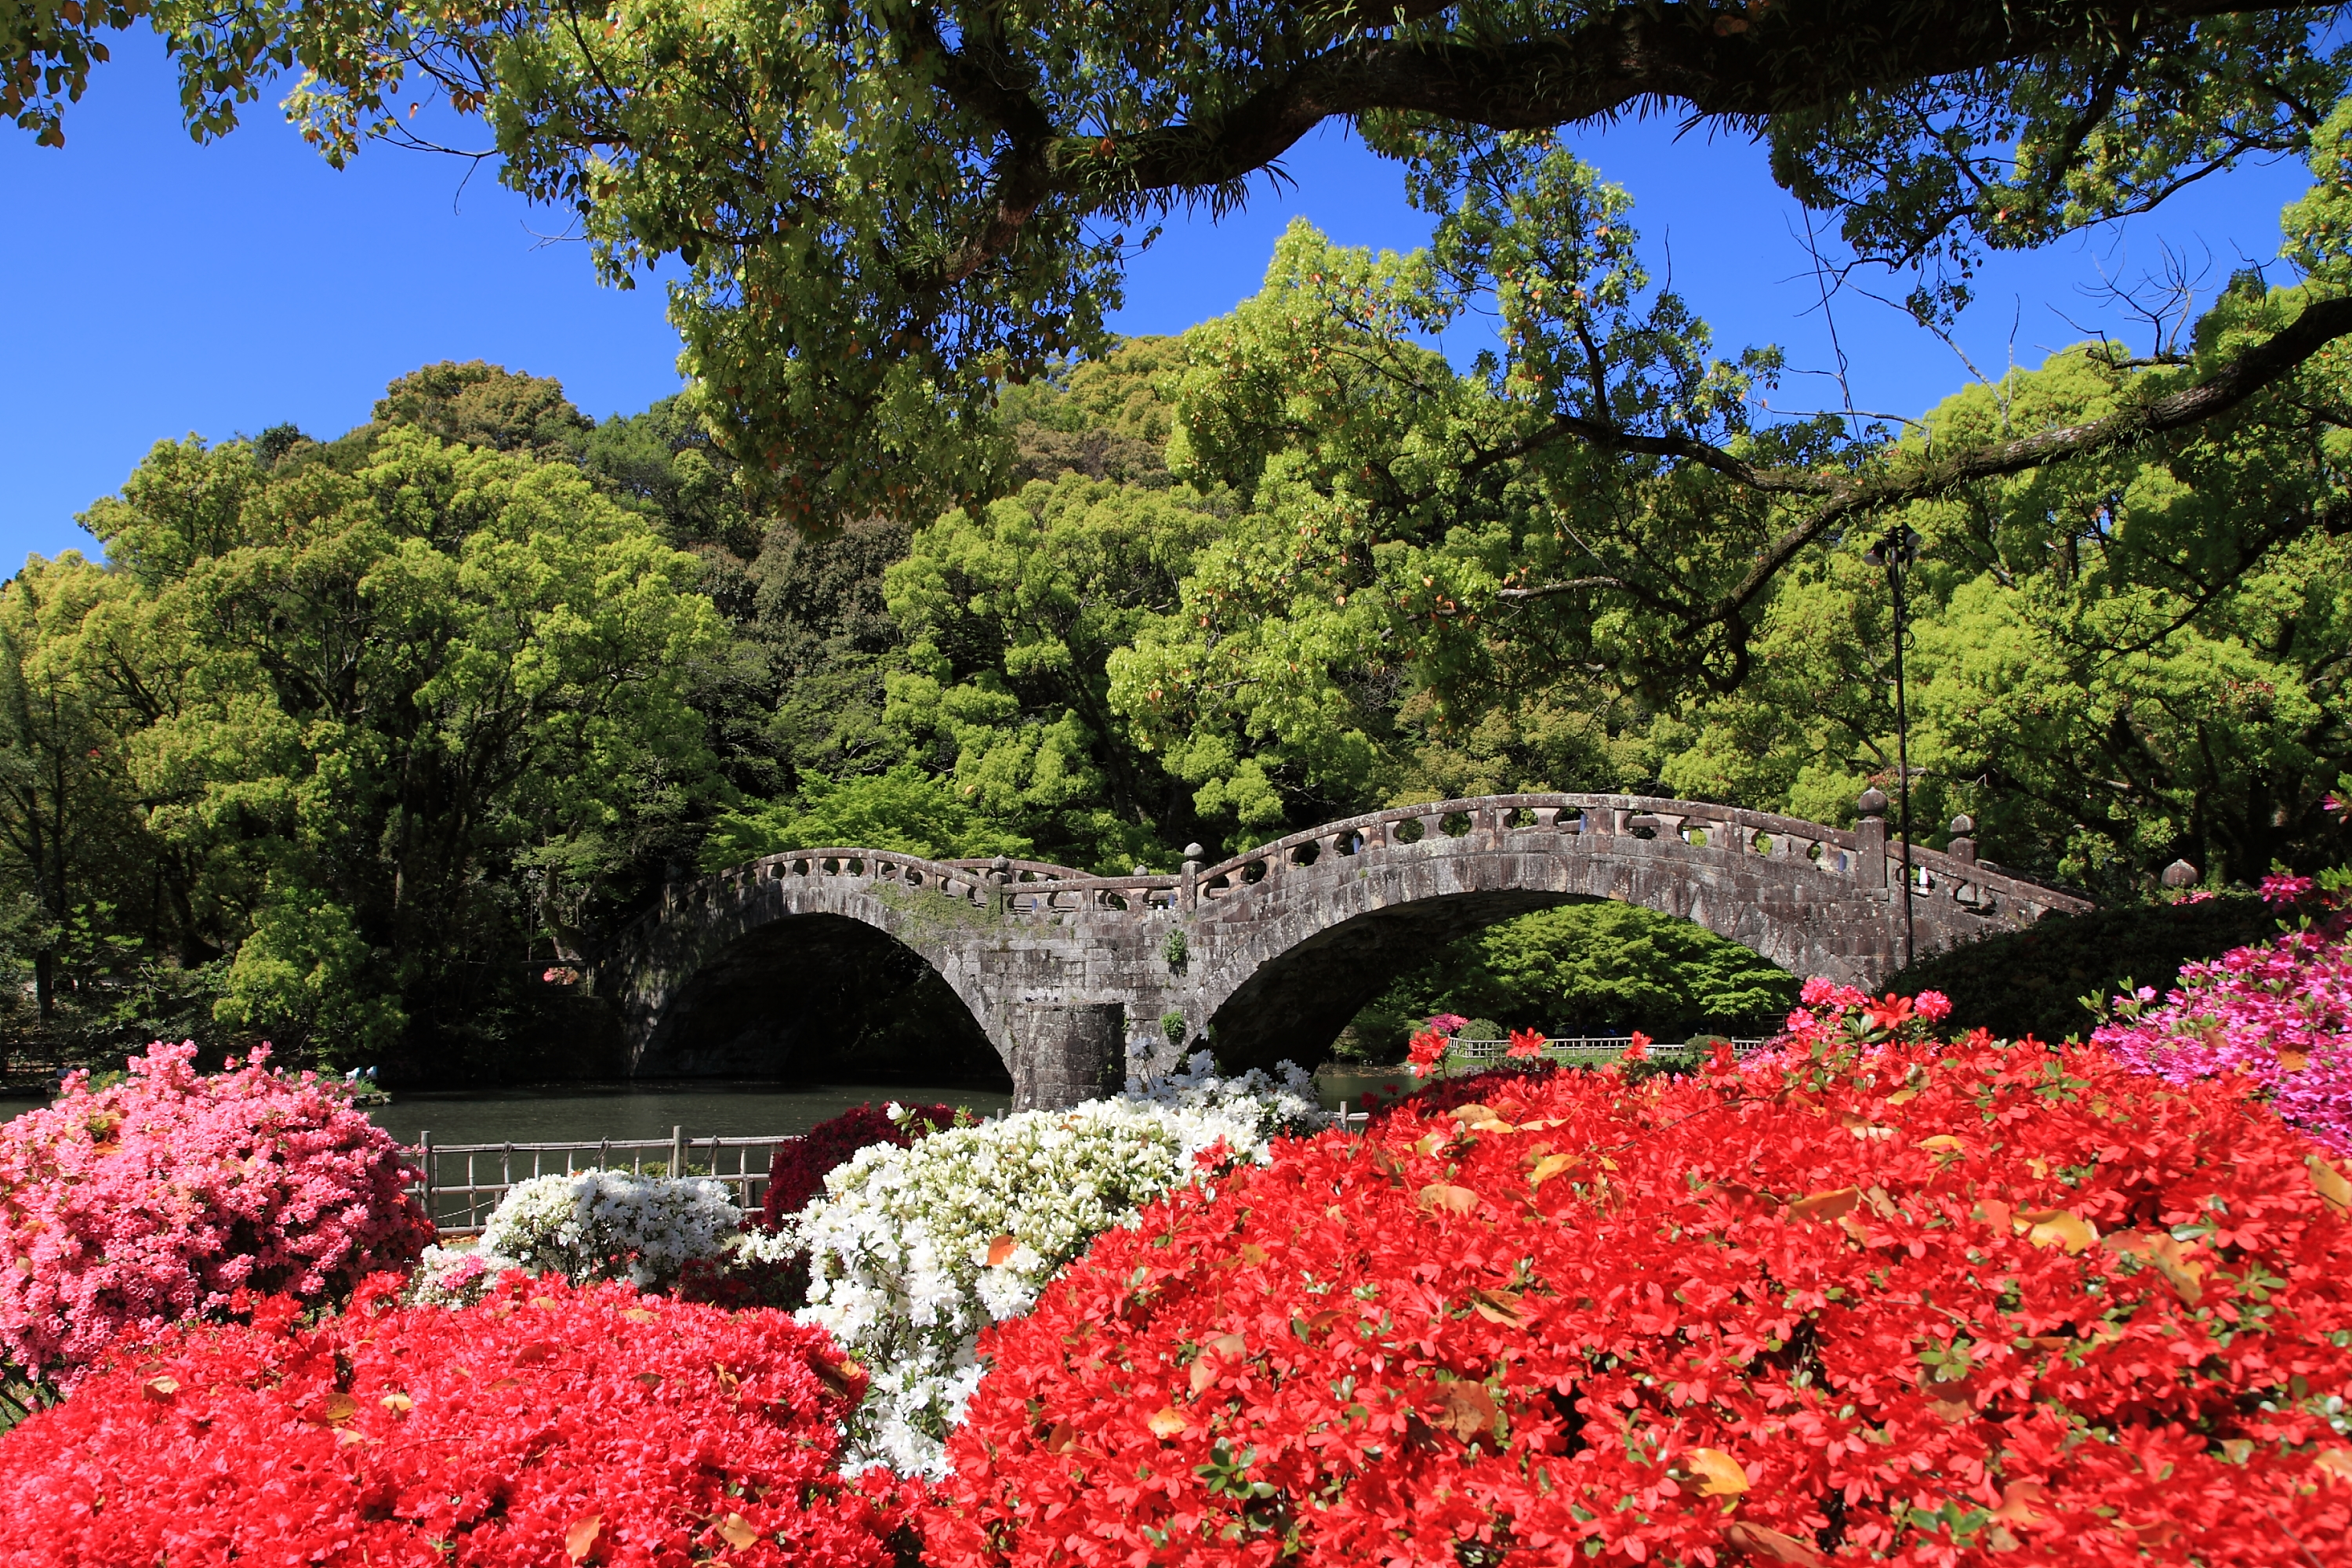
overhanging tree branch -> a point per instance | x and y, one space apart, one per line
2321 322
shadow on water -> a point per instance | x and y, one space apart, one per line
586 1113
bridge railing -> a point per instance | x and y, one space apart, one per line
1861 857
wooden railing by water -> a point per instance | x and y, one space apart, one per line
459 1206
1581 1048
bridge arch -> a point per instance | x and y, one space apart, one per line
770 963
1070 976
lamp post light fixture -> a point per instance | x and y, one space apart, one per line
1896 552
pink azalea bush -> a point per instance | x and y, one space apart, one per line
2278 1013
175 1194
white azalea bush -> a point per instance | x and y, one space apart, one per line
913 1251
589 1224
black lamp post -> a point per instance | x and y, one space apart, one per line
1895 552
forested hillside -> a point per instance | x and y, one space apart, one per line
360 744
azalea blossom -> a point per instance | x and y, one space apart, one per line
2103 1327
159 1198
1526 1042
1428 1049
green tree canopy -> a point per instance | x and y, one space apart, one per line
377 713
888 210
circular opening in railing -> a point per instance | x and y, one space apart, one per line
1410 830
1306 853
1521 816
1455 823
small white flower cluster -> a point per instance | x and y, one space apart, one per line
589 1225
913 1251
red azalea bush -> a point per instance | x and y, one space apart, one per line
2277 1013
157 1198
800 1168
546 1424
1871 1297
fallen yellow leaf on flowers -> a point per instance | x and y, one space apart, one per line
1166 1423
1000 1251
580 1539
1547 1167
1831 1205
737 1531
1442 1195
1718 1473
2333 1189
2057 1227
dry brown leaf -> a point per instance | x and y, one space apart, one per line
2176 1263
2336 1464
1229 1345
1547 1167
1166 1423
2237 1450
638 1315
161 1389
2292 1061
1718 1473
2333 1189
838 1378
1941 1144
336 1409
1833 1205
1546 1125
580 1539
1758 1540
1504 1307
737 1531
398 1403
1062 1439
1472 1112
650 1379
1000 1251
2057 1227
1442 1195
1205 1373
1252 1254
1469 1410
2017 1502
1432 1142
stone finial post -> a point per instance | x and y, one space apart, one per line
1963 846
1193 853
2181 874
1000 878
1871 830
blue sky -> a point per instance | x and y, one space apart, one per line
157 288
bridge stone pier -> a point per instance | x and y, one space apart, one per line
1076 980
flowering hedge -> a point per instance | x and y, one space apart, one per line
1873 1297
2278 1013
798 1172
158 1199
544 1426
914 1250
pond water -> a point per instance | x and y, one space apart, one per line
587 1111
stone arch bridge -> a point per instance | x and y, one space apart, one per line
1072 977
